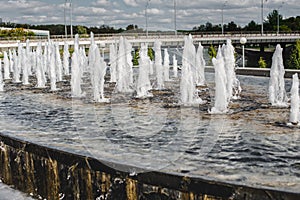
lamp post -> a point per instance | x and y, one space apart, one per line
65 21
223 17
243 41
262 16
278 17
146 15
175 13
71 18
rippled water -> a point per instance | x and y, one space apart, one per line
251 145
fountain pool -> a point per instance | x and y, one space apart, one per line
251 145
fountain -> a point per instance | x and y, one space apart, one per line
200 65
175 67
135 148
166 65
58 63
40 73
143 82
1 78
97 67
124 67
158 65
66 56
188 90
277 94
295 112
6 66
51 66
232 84
221 92
76 71
113 63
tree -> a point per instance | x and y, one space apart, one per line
212 52
252 26
151 53
232 27
81 30
272 20
262 63
131 27
294 60
136 57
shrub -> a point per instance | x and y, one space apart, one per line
262 63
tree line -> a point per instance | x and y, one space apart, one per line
270 24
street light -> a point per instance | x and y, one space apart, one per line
278 17
243 41
71 15
223 17
175 25
262 16
146 15
71 18
66 31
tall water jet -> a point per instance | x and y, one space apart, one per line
295 101
188 92
25 70
58 63
83 59
158 65
129 63
6 66
97 68
40 73
1 78
221 100
113 63
277 93
175 67
124 67
16 66
200 66
143 82
52 68
76 71
233 85
28 58
11 61
66 57
166 65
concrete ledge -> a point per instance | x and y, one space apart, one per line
265 72
52 174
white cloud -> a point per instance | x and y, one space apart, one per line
120 13
131 3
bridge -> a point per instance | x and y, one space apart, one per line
168 40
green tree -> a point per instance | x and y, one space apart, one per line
136 57
151 53
131 27
252 26
81 30
272 20
212 52
294 60
262 63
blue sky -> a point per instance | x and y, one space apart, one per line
120 13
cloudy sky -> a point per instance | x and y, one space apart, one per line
120 13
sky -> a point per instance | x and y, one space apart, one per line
121 13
